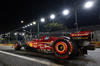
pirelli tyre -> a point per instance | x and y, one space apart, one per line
75 50
17 45
62 48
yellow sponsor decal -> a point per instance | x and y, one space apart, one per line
46 42
6 44
80 37
72 34
84 37
30 44
97 44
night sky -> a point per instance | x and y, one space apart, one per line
13 11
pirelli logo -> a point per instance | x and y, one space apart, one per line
80 37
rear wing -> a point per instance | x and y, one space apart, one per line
82 35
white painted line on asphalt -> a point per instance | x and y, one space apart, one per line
31 59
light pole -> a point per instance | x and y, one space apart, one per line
16 35
76 22
38 30
87 5
24 36
42 20
29 33
34 23
9 37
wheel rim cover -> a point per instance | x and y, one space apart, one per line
61 47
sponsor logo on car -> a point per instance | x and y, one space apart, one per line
80 37
46 38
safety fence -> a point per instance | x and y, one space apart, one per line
97 44
23 36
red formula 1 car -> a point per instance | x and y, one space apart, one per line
62 47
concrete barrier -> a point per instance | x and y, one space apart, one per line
6 44
97 44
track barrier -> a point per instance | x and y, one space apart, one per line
97 44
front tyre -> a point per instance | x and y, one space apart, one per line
17 46
75 51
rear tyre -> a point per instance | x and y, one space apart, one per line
85 51
62 48
75 50
17 46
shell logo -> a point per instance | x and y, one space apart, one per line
30 44
72 34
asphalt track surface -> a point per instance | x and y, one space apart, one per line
10 57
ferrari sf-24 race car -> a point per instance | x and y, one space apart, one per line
62 46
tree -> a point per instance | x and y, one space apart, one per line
54 27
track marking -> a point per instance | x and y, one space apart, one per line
31 59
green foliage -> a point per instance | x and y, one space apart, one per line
54 27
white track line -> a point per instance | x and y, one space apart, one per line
31 59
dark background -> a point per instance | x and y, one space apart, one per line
13 11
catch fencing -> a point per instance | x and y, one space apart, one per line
20 35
